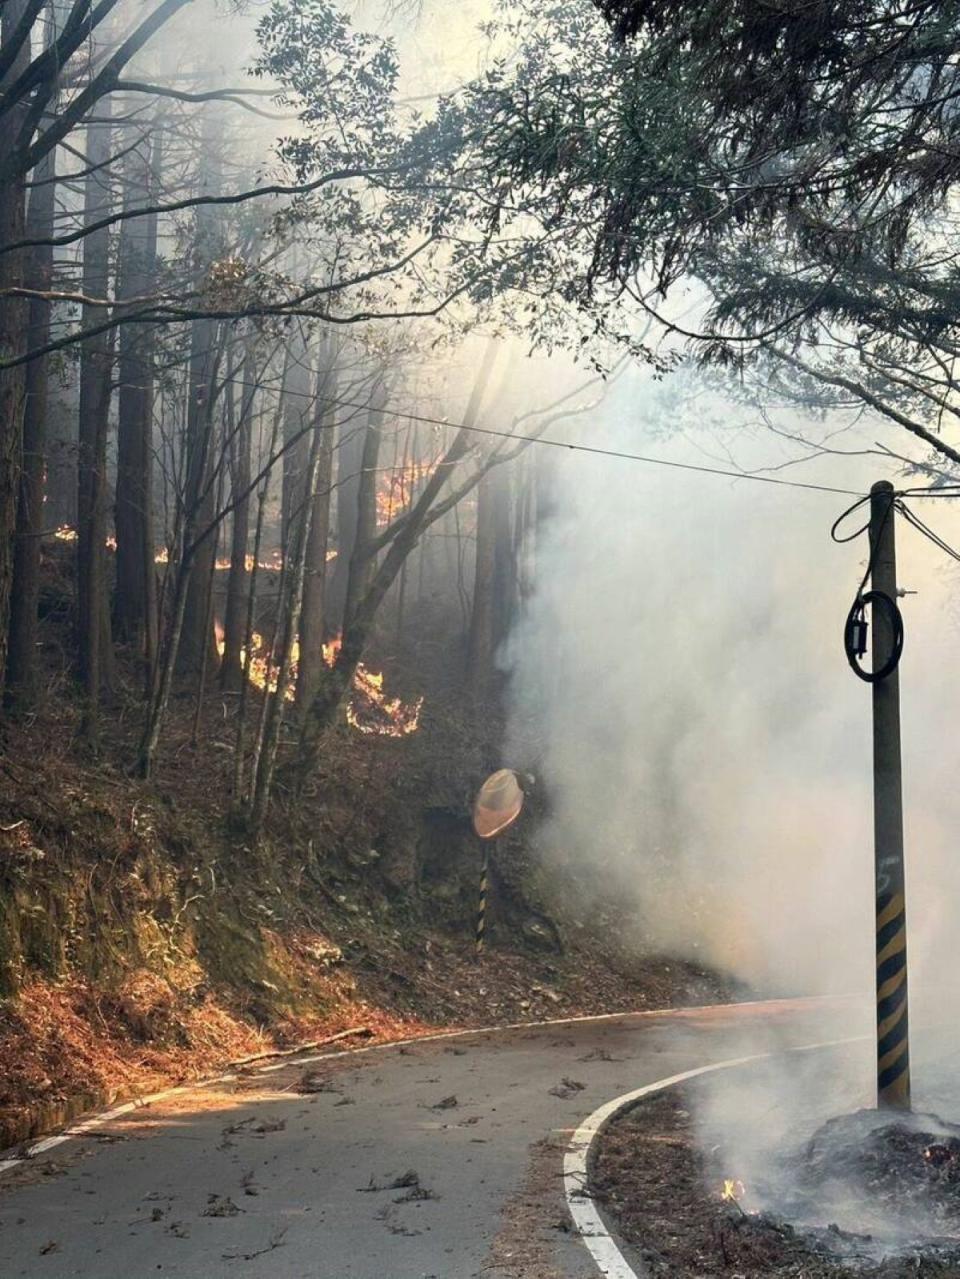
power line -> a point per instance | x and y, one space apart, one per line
927 532
896 503
574 448
935 490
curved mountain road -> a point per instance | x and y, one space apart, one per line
440 1159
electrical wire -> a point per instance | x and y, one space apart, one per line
927 532
856 619
934 490
387 411
893 502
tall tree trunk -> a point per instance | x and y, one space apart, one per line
362 563
135 594
480 652
494 584
95 390
22 670
350 441
291 622
297 416
189 530
239 748
313 613
238 582
12 327
506 583
196 639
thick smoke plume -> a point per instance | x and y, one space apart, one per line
705 748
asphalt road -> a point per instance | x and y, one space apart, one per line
439 1160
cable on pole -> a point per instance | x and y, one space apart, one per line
856 626
855 635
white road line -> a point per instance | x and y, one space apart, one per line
104 1117
587 1221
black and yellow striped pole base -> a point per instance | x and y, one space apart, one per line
893 1027
893 1043
482 907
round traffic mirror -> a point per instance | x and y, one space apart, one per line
498 803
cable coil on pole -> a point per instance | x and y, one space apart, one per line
855 635
855 627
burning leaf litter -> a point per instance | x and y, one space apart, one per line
369 710
868 1196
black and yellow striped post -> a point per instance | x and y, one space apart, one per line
482 908
893 1041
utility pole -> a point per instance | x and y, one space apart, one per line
893 1041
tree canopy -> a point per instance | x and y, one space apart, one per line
798 161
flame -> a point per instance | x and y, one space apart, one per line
331 650
733 1190
67 533
368 709
396 491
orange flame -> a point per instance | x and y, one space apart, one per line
368 709
396 491
733 1190
331 650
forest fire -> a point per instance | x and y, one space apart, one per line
396 492
368 710
67 533
733 1190
331 649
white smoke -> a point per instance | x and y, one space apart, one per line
706 748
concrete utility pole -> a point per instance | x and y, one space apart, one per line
893 1041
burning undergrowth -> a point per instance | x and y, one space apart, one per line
866 1185
892 1182
368 709
869 1193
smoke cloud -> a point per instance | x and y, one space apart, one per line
705 748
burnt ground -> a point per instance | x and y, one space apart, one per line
666 1198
